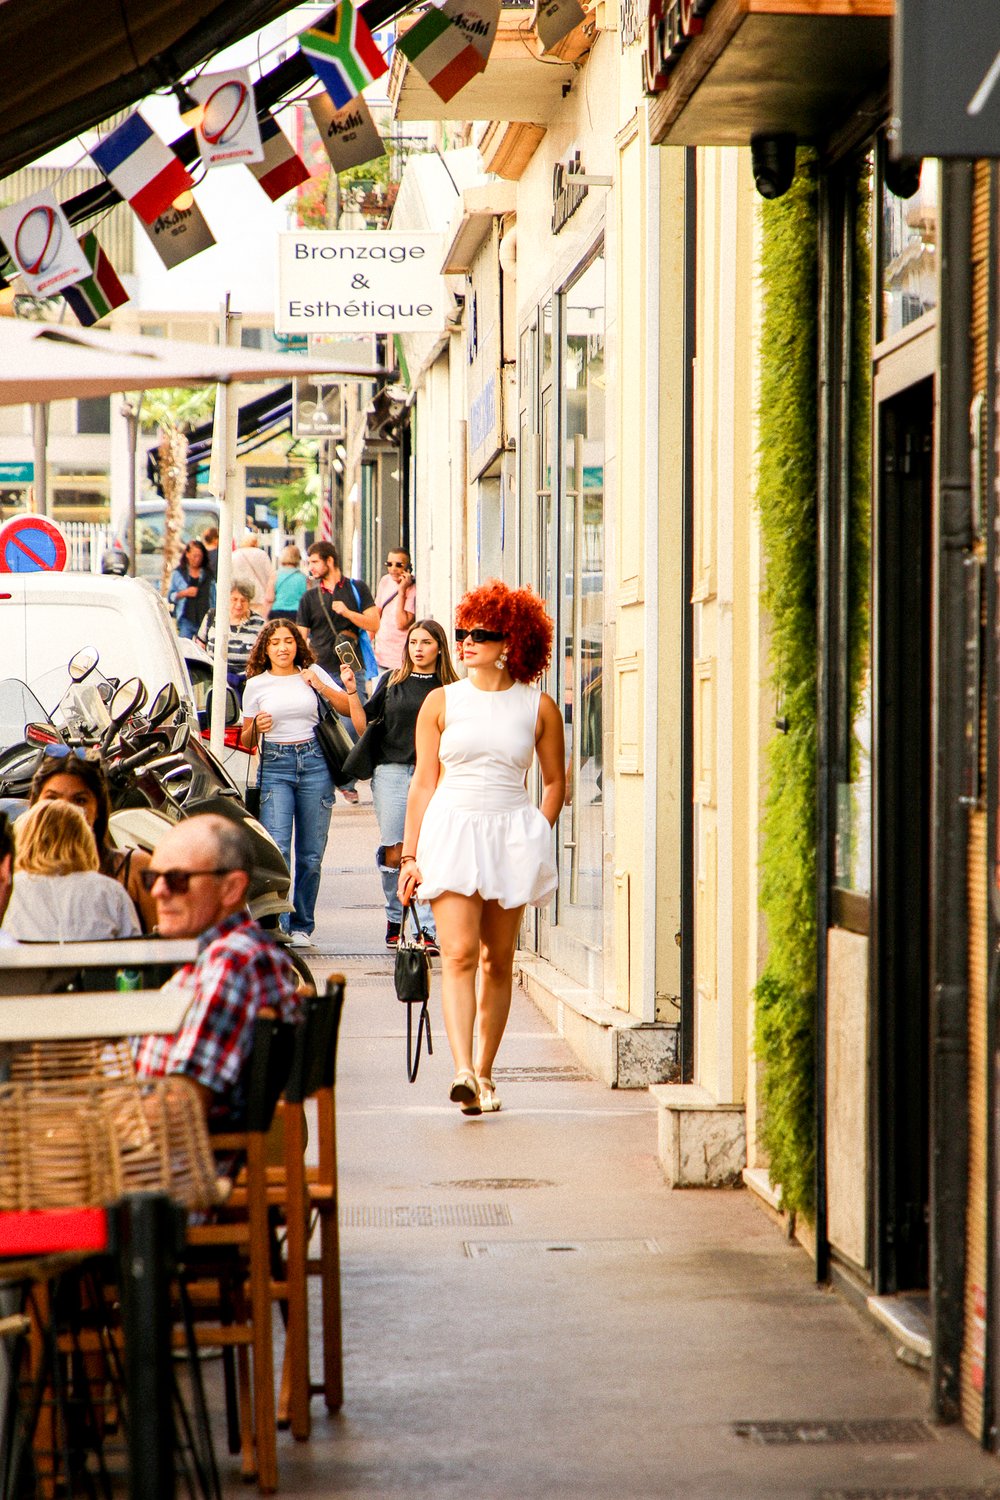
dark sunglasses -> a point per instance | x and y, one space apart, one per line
176 881
478 636
390 564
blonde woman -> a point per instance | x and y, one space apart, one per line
59 893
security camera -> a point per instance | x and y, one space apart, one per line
773 160
902 175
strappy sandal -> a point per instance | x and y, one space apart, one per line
488 1101
465 1091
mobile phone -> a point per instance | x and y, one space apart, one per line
348 657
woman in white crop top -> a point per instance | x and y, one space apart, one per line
475 845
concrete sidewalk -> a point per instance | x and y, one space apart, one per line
530 1313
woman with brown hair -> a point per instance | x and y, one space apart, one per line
474 844
280 712
77 777
396 702
59 893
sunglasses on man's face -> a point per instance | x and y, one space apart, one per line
478 636
391 564
177 882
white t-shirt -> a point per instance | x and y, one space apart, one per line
291 703
69 908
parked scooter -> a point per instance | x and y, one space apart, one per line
158 770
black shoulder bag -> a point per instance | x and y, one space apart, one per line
412 977
366 751
333 740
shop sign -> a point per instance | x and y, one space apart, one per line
946 79
483 357
17 473
567 195
672 25
359 281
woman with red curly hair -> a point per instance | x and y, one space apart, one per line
474 845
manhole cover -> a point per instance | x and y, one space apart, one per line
860 1430
495 1184
521 1249
426 1216
949 1492
567 1074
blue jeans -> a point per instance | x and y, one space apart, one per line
390 785
297 795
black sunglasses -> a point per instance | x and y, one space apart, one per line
176 881
390 564
478 636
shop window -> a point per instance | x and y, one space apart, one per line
908 244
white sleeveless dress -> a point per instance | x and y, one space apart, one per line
481 831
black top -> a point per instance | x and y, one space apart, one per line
324 625
400 703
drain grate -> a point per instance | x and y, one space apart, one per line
860 1430
566 1074
426 1216
947 1492
522 1249
495 1184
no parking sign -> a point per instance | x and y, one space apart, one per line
31 544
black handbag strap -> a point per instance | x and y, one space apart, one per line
424 1024
418 942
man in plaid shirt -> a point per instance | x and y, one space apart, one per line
199 874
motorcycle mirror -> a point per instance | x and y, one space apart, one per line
166 702
233 711
42 734
181 736
127 698
83 663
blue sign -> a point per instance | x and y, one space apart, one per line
31 544
17 473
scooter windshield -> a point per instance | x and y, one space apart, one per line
79 707
18 706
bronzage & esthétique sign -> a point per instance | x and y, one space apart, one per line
365 281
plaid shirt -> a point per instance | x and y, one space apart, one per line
238 970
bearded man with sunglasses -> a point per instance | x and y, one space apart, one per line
199 874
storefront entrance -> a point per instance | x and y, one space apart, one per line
901 839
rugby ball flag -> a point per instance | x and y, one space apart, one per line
144 171
228 132
281 169
94 297
342 53
440 51
42 244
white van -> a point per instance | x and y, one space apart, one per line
46 617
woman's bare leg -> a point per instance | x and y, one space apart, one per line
457 919
498 931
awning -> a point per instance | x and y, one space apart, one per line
258 421
774 66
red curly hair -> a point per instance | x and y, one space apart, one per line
520 615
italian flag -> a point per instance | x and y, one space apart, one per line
438 50
93 298
342 53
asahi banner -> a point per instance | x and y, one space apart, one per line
346 281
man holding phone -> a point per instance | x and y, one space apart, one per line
333 613
396 602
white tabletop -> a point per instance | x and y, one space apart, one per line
38 966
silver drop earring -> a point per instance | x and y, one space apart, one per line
501 661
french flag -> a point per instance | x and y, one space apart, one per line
281 168
145 171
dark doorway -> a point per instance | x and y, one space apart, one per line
902 800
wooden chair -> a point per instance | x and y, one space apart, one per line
237 1244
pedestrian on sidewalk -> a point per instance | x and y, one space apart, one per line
394 706
290 584
245 625
280 712
338 611
254 567
474 845
192 589
396 602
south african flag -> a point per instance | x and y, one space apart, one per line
95 297
342 53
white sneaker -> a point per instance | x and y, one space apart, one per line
300 940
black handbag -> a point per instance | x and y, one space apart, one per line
412 978
334 741
251 797
365 753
